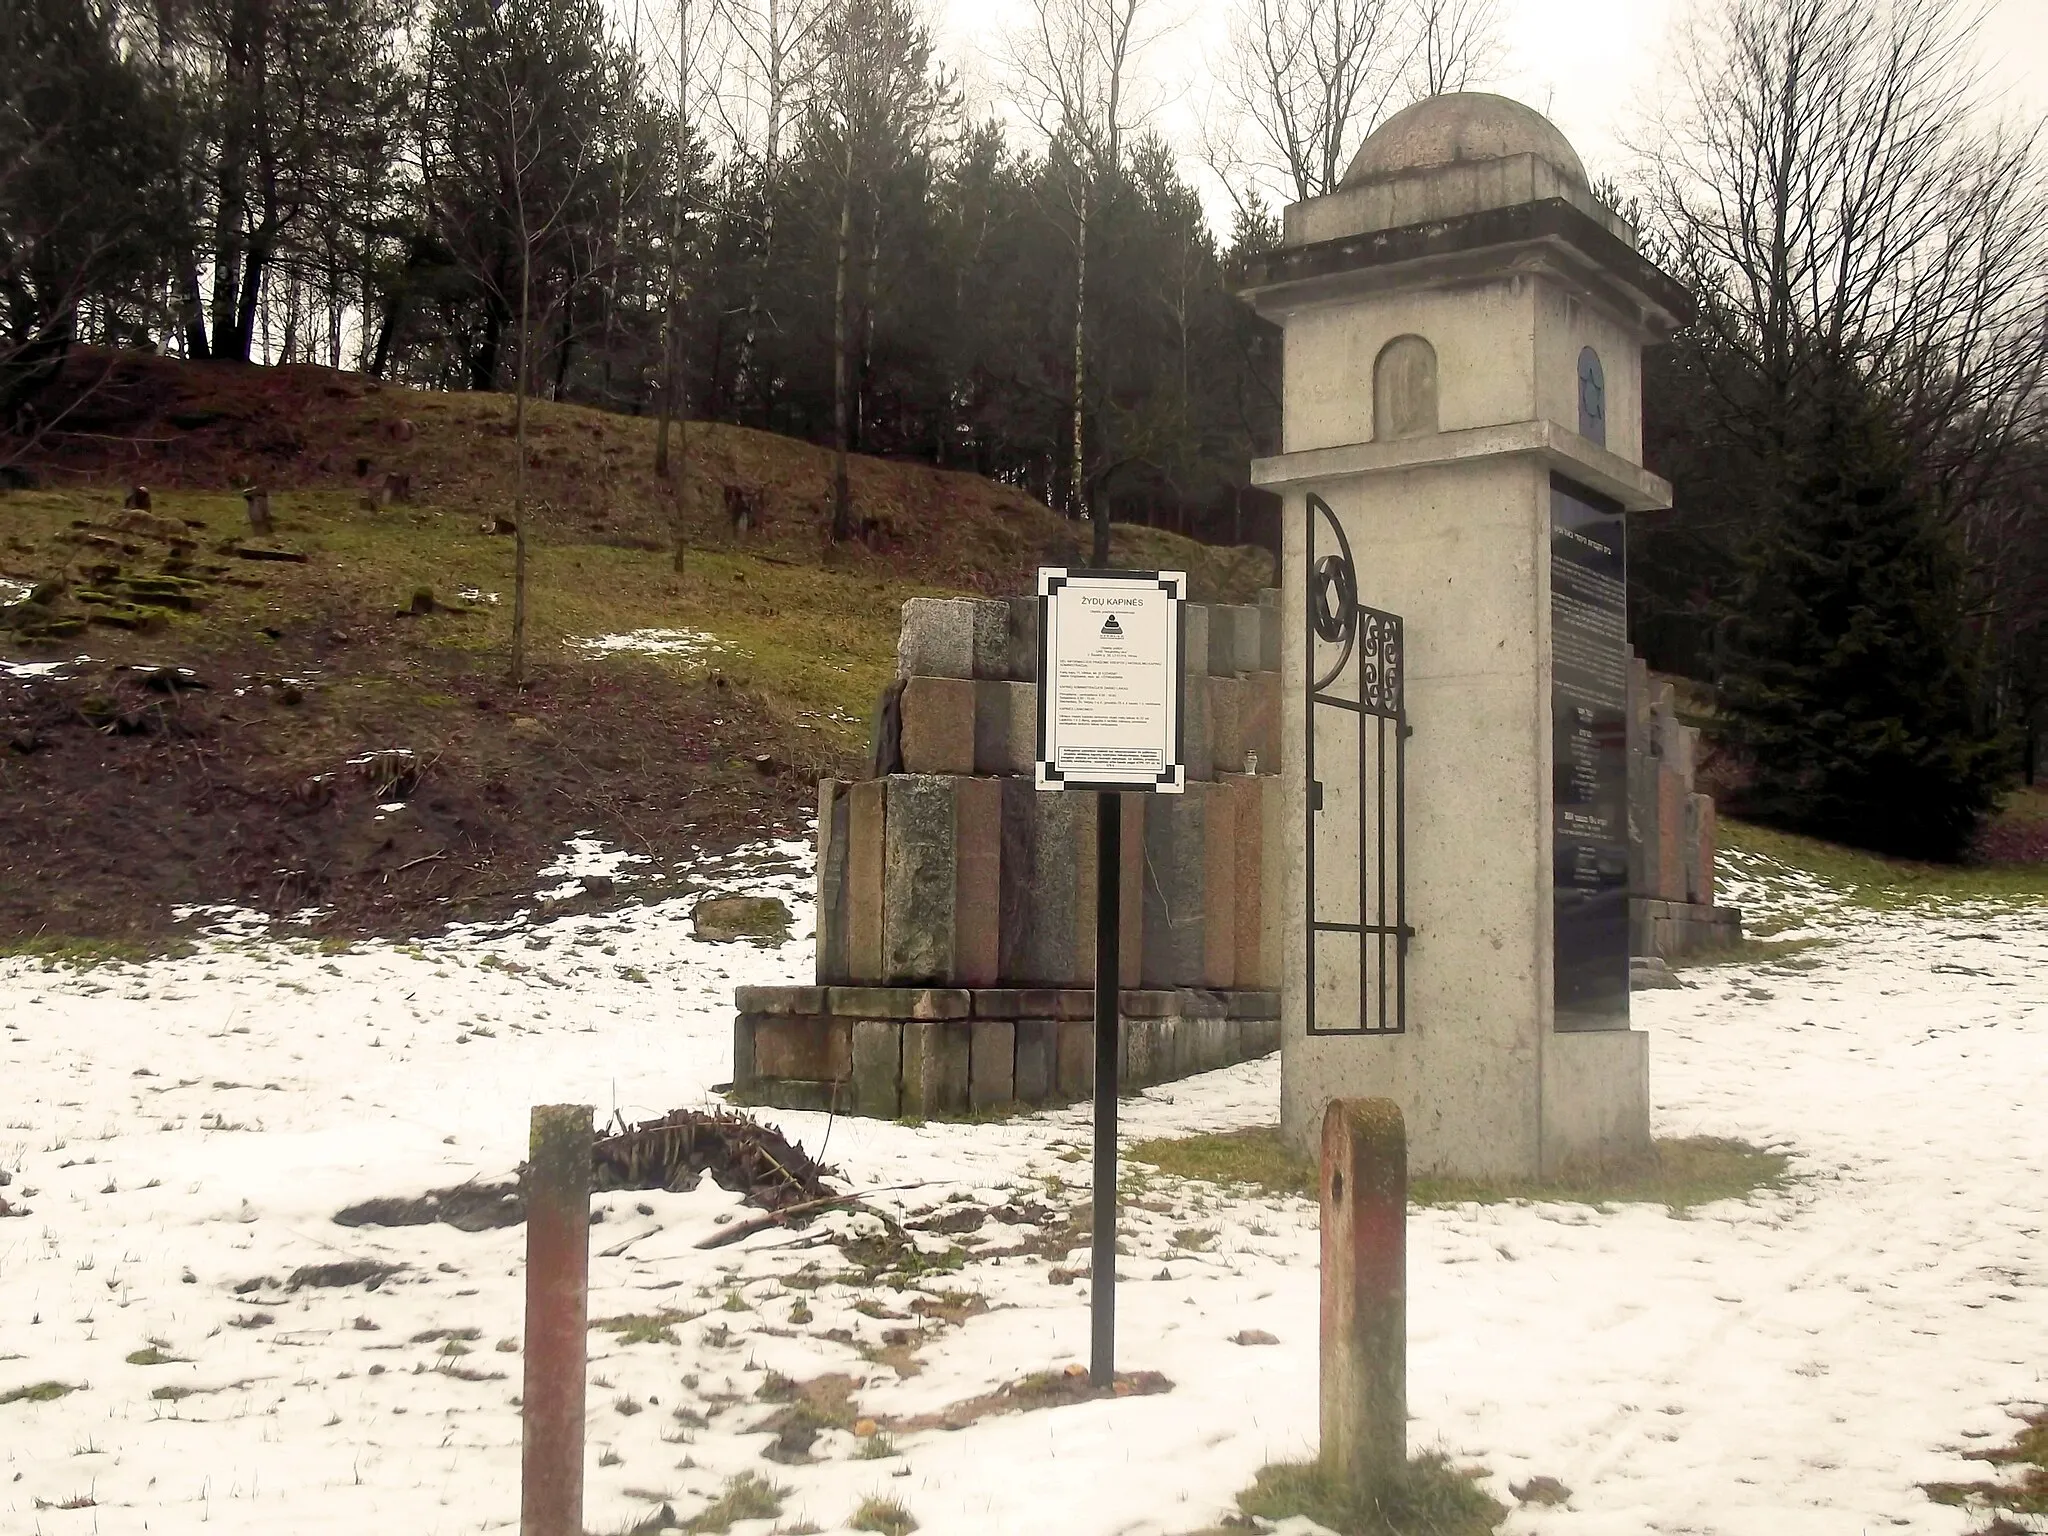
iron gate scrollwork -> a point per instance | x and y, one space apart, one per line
1355 862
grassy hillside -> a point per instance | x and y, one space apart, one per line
127 788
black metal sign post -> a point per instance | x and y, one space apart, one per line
1110 677
1109 844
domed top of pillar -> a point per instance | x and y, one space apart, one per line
1461 127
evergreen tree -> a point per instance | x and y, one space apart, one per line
1849 681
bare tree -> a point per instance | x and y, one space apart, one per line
687 44
515 86
1074 68
878 103
1304 81
1457 44
1821 183
778 47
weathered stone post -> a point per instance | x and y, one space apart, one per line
1365 1298
258 502
557 1320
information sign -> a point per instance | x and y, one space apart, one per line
1109 670
1589 760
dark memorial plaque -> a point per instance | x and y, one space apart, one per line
1589 758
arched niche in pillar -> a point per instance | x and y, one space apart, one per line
1404 389
1592 397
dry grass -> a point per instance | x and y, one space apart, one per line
1685 1172
1432 1498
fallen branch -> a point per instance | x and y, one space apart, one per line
753 1224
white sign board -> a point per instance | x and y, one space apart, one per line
1109 680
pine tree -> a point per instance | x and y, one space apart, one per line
1849 680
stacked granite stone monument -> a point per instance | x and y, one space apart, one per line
956 901
1671 911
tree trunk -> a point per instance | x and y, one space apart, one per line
842 499
568 338
1077 491
519 467
192 305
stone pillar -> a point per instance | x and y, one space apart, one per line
1464 323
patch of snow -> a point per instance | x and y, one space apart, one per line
27 669
472 595
688 643
383 755
586 854
12 591
1793 1365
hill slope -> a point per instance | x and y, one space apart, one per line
667 713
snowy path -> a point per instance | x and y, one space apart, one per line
1788 1366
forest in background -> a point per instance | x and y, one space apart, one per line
780 213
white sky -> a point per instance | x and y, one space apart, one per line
1591 65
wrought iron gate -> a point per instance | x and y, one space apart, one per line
1355 761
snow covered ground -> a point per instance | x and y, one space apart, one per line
1790 1366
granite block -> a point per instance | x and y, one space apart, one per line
1130 899
1642 824
865 841
1033 1003
992 1063
938 725
1175 867
833 826
1259 720
937 638
1075 1064
1143 1056
918 880
1195 639
935 1069
802 1000
1208 1044
899 1002
1021 657
1226 725
1198 752
1699 849
1043 922
1037 1063
991 637
977 881
1219 887
743 1073
877 1068
1269 629
816 1048
1248 831
1005 728
1670 858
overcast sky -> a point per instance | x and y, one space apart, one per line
1591 65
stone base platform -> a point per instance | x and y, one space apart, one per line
1673 930
945 1052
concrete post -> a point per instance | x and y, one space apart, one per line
557 1320
1365 1304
